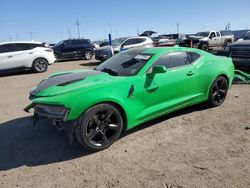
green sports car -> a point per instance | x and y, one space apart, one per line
128 89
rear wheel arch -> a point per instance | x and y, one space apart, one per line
39 58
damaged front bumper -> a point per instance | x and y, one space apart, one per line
57 113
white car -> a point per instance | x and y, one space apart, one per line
121 44
133 42
25 55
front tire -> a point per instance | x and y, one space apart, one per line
99 127
40 65
88 55
204 47
218 91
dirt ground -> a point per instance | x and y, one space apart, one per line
194 147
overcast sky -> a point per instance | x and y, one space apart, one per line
52 21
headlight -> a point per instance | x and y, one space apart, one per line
51 111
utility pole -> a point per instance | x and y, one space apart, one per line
78 24
31 35
177 28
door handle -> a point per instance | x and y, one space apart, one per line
9 56
31 53
190 73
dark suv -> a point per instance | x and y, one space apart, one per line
74 48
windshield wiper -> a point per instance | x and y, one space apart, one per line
110 71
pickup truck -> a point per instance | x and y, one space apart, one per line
209 40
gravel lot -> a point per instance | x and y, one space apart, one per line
194 147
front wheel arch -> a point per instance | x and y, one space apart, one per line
119 107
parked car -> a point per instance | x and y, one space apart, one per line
25 55
122 44
165 42
128 89
209 40
239 51
74 49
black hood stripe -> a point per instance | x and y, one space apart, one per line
63 79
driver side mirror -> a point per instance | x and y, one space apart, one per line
158 69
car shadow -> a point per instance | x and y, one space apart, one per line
25 144
16 73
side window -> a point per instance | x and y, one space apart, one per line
139 40
129 41
86 42
68 42
21 47
174 59
212 35
218 34
77 42
5 48
193 56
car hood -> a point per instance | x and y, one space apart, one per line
241 43
70 81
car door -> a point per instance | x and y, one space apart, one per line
212 39
172 89
77 48
67 49
5 56
22 56
218 39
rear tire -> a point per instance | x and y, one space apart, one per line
40 65
99 127
218 92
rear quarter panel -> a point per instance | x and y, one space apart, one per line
210 67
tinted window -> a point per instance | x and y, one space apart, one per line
139 40
68 42
77 42
21 47
193 56
86 42
6 48
129 42
174 59
217 34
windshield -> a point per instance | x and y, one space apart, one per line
58 44
117 42
202 34
125 63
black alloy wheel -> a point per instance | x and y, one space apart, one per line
218 91
99 127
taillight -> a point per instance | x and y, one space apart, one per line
49 50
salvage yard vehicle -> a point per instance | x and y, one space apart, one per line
239 51
25 55
210 40
74 49
121 45
128 89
